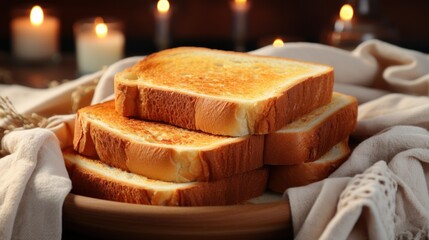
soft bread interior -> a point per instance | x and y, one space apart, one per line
283 177
116 174
220 74
338 151
311 119
154 133
94 179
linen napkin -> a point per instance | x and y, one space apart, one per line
392 110
33 178
381 191
46 102
371 72
34 183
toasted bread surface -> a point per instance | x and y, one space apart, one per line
215 73
282 176
221 92
160 151
95 179
311 136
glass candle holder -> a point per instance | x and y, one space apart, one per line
240 9
358 23
99 43
34 34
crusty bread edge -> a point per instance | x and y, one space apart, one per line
293 103
82 140
223 117
283 177
167 163
289 148
226 191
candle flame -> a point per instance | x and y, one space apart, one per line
36 16
163 6
346 12
100 27
278 42
240 2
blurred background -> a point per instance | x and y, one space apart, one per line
214 24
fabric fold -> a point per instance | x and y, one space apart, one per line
392 110
400 156
34 184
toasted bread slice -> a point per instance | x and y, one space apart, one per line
94 179
283 177
311 136
221 92
160 151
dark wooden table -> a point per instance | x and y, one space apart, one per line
37 74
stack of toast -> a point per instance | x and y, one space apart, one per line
194 126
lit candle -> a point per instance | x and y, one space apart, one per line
35 37
162 17
240 9
346 16
98 44
278 43
347 32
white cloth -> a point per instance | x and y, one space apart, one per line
34 182
353 203
367 196
33 178
57 100
320 210
373 69
46 102
392 110
104 89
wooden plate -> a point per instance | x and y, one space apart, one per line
104 219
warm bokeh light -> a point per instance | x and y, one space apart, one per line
163 6
240 1
346 12
278 42
100 28
36 16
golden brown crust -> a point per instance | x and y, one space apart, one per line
283 177
219 73
295 102
223 117
157 159
82 140
219 115
231 190
126 96
289 148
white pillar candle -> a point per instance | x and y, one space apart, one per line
97 46
240 9
35 37
162 19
